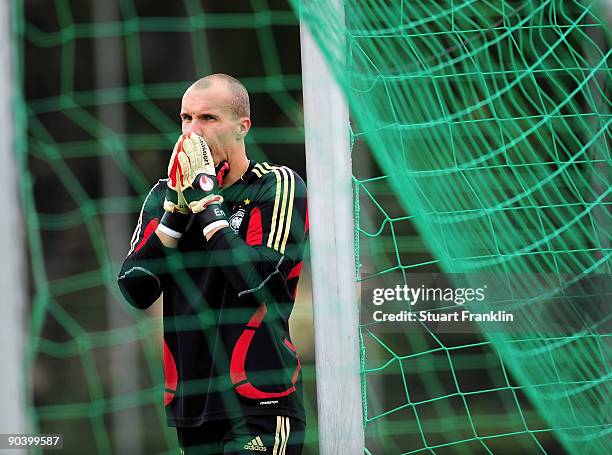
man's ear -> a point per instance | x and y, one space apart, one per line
245 126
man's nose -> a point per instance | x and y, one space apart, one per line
193 128
196 127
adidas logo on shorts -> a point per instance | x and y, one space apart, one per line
256 444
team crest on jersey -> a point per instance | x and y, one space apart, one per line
236 220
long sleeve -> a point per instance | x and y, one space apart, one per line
270 257
140 278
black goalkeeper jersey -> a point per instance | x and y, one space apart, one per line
226 302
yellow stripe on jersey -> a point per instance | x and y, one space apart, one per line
260 170
280 226
275 211
289 213
282 220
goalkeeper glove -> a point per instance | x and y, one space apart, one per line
177 216
196 182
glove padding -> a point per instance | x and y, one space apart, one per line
175 201
176 219
191 176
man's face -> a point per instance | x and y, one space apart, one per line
207 112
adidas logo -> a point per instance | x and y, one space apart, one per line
256 444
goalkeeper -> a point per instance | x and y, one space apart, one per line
222 238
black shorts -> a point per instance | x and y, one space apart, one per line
266 435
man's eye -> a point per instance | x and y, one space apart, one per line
186 118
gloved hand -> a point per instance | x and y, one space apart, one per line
193 177
176 218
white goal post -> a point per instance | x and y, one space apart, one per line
12 243
330 202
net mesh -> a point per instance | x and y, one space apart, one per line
98 102
490 124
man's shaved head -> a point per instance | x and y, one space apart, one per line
239 97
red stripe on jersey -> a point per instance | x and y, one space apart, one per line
248 390
256 319
306 223
170 373
237 373
150 229
297 370
295 271
255 231
238 360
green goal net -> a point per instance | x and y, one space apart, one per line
490 122
98 101
481 146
